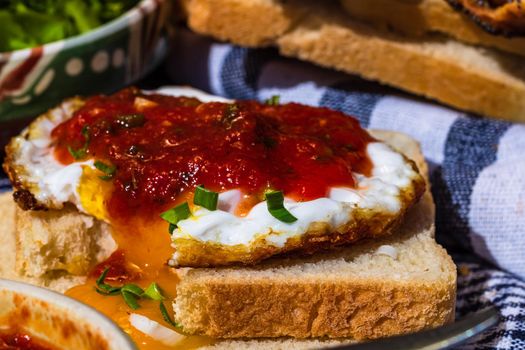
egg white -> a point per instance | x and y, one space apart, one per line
390 174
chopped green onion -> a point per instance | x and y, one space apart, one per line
131 293
130 299
109 170
85 132
167 318
174 215
273 101
269 142
231 112
351 148
81 152
133 289
131 120
104 288
153 292
205 198
108 293
102 277
77 154
275 203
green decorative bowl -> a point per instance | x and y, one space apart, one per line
103 60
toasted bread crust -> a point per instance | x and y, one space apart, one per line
334 309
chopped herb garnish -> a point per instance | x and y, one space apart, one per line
205 198
131 293
133 289
269 142
275 203
104 288
108 170
130 299
81 152
273 101
77 154
174 215
129 121
351 148
153 292
231 112
167 318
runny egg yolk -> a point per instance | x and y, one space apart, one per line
93 192
146 246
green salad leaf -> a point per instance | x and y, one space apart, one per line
29 23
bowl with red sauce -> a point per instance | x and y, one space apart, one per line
34 318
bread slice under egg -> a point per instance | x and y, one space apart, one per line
392 285
54 249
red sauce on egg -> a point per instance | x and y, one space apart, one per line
163 147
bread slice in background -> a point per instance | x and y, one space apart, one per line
420 17
480 80
355 292
270 19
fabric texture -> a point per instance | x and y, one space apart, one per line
477 165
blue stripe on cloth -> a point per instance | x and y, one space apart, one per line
241 70
4 184
356 103
470 147
487 286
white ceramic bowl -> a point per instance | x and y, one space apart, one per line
58 320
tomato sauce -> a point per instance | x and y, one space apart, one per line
163 147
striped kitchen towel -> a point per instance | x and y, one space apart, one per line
477 165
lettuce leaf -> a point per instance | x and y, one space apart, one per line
29 23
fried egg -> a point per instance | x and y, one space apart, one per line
220 237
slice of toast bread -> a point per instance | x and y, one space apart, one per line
302 297
359 292
418 18
476 79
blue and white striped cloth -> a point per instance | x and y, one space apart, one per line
477 165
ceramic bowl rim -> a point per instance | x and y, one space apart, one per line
132 16
103 324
